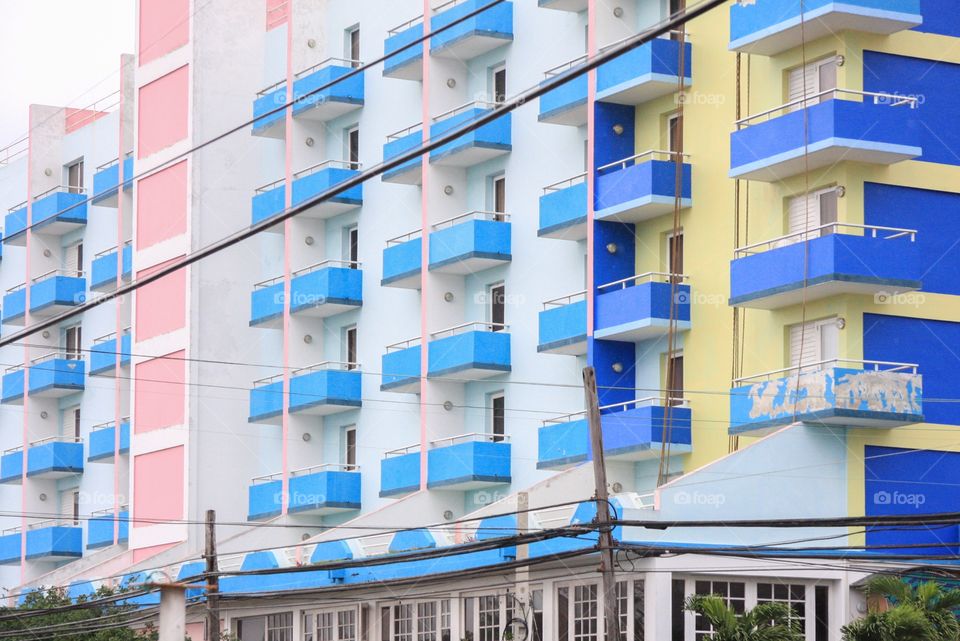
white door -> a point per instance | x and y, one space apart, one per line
814 342
811 79
73 258
70 506
810 212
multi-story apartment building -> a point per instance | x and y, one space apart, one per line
745 227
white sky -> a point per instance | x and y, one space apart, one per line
59 52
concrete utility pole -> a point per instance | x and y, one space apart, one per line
173 612
609 583
213 578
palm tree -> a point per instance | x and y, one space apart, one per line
927 600
900 623
765 622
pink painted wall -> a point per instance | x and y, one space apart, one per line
77 118
160 393
158 486
195 631
143 554
161 305
278 12
162 205
164 27
162 108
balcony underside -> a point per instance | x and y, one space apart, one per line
642 209
575 229
564 5
823 287
824 153
470 154
404 175
640 330
574 346
642 89
572 115
409 280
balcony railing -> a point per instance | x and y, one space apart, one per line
877 98
643 306
643 186
468 461
563 325
872 231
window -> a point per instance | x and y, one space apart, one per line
585 607
425 620
349 343
821 596
794 595
809 212
73 258
70 506
352 45
351 245
814 342
675 253
678 619
74 175
351 145
496 312
674 133
812 80
330 625
497 416
630 609
403 622
72 337
71 422
488 618
536 603
280 627
498 188
251 628
498 83
675 378
733 594
349 440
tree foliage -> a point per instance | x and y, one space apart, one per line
765 622
924 612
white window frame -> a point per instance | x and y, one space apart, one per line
77 351
494 70
349 233
311 624
348 133
419 630
348 52
505 610
345 444
490 299
491 398
74 188
345 334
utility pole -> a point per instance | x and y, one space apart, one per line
609 583
213 578
173 612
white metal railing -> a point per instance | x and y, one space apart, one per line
874 231
97 108
470 327
109 512
330 262
14 150
496 216
449 4
111 336
473 104
55 439
342 164
879 98
400 28
406 131
402 345
57 522
59 354
565 183
666 36
16 288
652 154
564 66
107 165
73 189
266 478
71 273
562 301
400 451
10 210
107 425
113 250
653 277
339 366
659 401
12 368
337 467
347 62
260 382
13 450
410 235
447 441
877 366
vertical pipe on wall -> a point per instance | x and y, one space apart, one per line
424 245
287 234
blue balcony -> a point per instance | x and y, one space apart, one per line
563 326
644 73
818 264
563 210
342 97
863 394
468 462
55 458
566 104
57 291
880 130
400 472
15 305
313 181
328 288
266 400
108 178
54 212
11 543
632 431
13 386
401 367
575 6
11 466
769 28
265 497
475 36
324 489
638 308
325 388
56 375
103 270
640 188
407 64
402 260
48 541
410 172
100 528
104 352
489 141
469 351
101 444
470 243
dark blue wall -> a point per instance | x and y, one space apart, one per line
940 16
934 83
602 355
934 345
609 146
899 481
936 217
